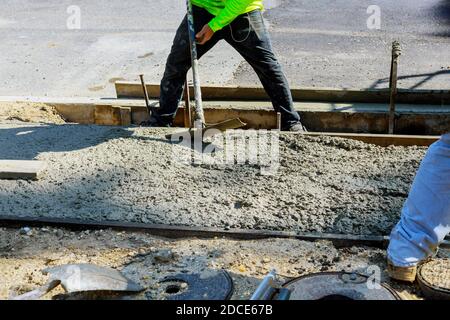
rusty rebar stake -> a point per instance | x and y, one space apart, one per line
187 106
278 121
396 52
145 93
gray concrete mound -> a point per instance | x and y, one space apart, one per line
322 184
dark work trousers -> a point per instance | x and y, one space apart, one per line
249 36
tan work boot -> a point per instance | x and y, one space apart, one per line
407 274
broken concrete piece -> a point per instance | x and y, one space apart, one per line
26 231
164 255
21 169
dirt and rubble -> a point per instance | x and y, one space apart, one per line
147 259
322 184
30 112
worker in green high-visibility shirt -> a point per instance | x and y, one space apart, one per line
241 24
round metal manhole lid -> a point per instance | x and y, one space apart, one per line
338 286
434 279
207 285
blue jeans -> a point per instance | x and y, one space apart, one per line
425 219
249 36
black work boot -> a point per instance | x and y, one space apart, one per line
296 127
153 123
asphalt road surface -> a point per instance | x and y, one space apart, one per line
323 43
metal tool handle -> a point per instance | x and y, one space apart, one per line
144 89
396 52
266 288
199 115
284 294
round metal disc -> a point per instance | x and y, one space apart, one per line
434 291
208 285
338 286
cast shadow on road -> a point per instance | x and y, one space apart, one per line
26 142
442 12
422 79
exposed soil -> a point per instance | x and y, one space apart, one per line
30 112
23 256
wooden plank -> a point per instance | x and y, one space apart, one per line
317 117
21 169
355 123
125 116
127 89
82 113
107 115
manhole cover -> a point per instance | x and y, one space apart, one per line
434 279
208 285
337 286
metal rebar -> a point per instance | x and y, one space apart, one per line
396 52
187 106
265 288
144 89
278 121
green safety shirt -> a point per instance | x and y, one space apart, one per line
225 11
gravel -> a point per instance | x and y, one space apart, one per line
247 262
437 273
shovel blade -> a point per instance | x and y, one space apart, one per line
88 277
223 126
212 129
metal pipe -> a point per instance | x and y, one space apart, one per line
396 52
266 287
187 106
199 119
278 121
144 88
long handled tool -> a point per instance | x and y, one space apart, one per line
199 117
268 290
396 52
144 88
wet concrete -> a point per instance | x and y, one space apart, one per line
322 184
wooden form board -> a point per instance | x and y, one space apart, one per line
130 89
21 169
170 231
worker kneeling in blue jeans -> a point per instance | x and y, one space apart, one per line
425 218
